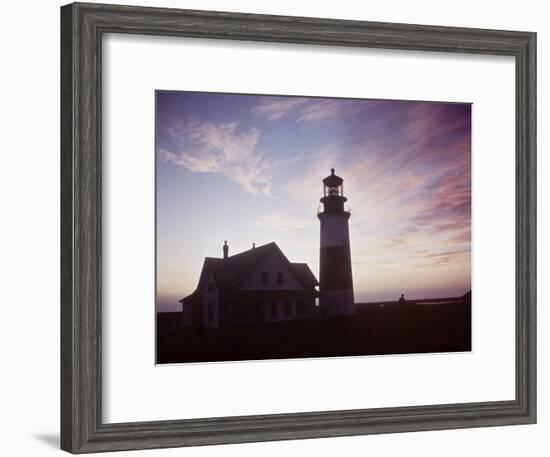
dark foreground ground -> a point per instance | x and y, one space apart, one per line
442 325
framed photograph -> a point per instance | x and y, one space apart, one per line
244 167
285 227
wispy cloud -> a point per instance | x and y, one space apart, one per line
306 110
220 148
406 168
317 111
282 223
409 188
306 187
272 108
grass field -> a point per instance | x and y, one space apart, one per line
436 325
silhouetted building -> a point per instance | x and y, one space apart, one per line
254 286
336 284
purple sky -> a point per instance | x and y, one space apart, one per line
248 168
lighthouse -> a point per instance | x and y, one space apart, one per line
335 280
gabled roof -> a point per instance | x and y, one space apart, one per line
193 297
304 274
230 272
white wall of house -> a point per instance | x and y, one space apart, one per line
272 264
276 310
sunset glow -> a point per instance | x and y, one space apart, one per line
248 169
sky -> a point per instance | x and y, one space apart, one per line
248 169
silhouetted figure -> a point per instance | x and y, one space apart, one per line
402 299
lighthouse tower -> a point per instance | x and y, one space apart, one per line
335 281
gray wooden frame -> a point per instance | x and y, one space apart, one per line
82 28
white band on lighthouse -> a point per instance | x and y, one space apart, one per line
334 229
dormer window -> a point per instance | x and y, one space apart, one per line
210 285
264 278
280 279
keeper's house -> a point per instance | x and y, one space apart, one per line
254 286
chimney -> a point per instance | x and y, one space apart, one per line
253 245
225 249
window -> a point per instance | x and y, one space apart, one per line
288 309
264 278
301 307
210 310
280 278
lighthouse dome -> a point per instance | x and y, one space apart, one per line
332 180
